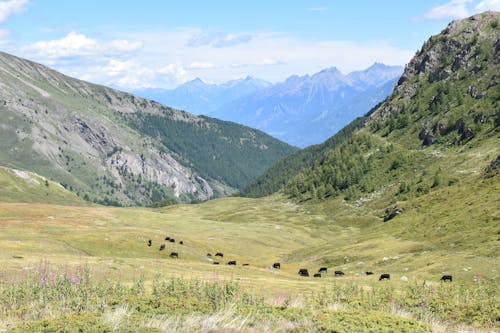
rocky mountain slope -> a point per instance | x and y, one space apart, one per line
199 97
438 128
106 145
305 110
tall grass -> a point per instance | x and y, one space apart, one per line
52 299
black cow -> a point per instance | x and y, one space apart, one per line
369 273
162 247
167 238
277 265
339 273
317 275
215 262
245 264
209 254
303 272
232 262
174 255
171 240
181 242
384 276
323 269
219 254
150 242
445 278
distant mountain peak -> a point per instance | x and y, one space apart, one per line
331 70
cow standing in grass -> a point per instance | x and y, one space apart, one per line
384 276
448 278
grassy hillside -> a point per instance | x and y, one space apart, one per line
22 186
115 148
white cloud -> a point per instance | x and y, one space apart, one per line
7 8
488 5
175 70
72 44
125 45
77 45
219 39
452 9
201 65
167 58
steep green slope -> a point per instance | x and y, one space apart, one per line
22 186
442 112
285 169
107 147
231 153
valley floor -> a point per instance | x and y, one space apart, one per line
431 239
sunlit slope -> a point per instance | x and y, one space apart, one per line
24 186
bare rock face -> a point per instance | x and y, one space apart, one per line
392 212
493 169
160 168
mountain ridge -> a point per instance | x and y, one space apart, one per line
290 110
199 97
84 136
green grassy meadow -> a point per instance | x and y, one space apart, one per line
445 232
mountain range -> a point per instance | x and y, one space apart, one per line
301 111
199 97
115 148
306 110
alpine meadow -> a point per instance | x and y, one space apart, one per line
121 214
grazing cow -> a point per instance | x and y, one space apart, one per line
162 247
369 273
174 255
384 276
150 242
317 274
171 240
323 269
277 265
445 278
245 264
219 254
181 242
209 254
339 273
232 262
215 262
167 238
303 272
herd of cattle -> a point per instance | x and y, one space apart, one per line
302 272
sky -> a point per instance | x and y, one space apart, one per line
164 43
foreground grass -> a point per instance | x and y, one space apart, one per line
52 299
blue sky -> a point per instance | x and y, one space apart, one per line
164 43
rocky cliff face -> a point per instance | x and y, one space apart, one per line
452 82
75 132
